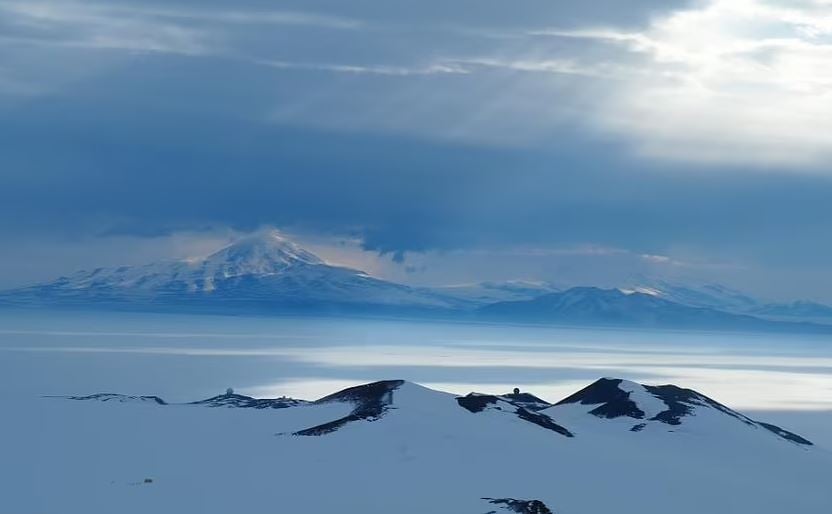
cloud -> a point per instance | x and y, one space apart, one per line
36 13
728 81
742 83
394 71
566 66
82 25
181 30
249 17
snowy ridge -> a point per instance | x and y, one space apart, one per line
228 399
475 403
261 255
638 406
663 407
726 299
116 398
247 402
592 306
713 296
371 402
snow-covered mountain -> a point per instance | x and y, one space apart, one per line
262 272
595 306
265 273
394 446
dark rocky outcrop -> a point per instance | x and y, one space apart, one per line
612 401
371 402
519 506
114 397
247 402
475 403
527 401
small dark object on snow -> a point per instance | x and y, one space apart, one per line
148 480
516 390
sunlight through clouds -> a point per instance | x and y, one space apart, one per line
719 82
731 81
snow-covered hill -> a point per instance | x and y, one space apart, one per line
262 272
394 446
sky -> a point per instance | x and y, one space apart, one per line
427 142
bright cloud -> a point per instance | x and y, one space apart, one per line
80 25
142 28
731 81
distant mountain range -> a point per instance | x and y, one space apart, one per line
719 297
393 446
266 273
594 306
711 296
810 311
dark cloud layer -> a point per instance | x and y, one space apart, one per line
409 125
145 151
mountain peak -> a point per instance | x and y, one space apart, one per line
261 253
663 405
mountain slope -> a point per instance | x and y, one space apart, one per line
263 272
801 310
711 296
394 446
626 405
613 307
722 298
484 293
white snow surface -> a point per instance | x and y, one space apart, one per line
647 402
424 455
